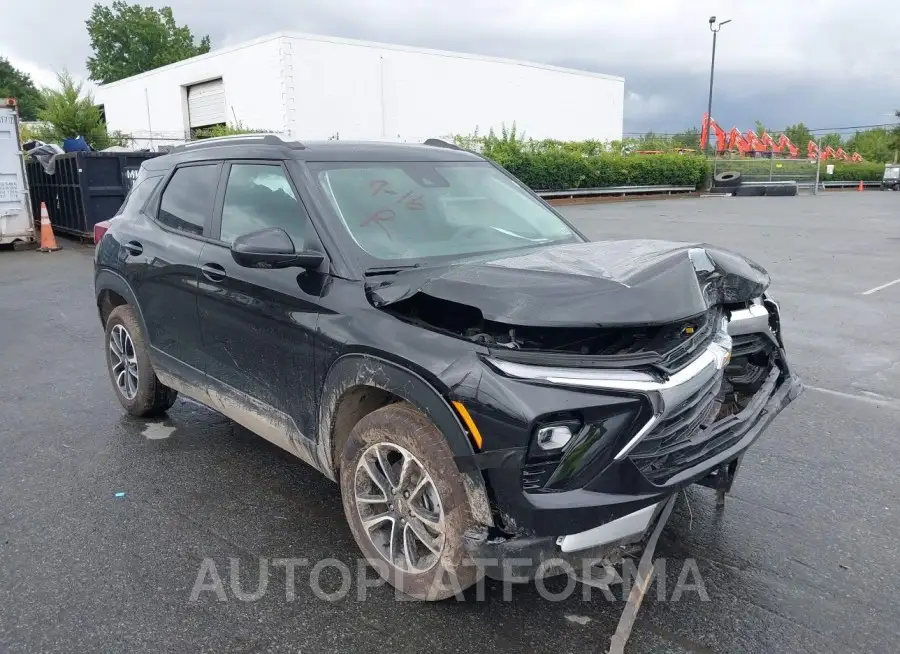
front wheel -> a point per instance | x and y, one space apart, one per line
405 502
128 362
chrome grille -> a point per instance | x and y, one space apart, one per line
680 426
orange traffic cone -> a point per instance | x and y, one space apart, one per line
861 187
48 240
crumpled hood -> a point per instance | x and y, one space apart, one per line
603 283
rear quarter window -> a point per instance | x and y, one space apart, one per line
187 200
137 197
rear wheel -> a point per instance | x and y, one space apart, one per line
405 502
130 370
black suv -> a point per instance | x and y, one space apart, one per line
416 324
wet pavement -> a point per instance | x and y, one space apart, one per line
803 558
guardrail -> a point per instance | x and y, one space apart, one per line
664 189
661 189
836 185
849 184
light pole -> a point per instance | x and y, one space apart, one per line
714 28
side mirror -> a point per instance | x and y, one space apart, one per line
272 248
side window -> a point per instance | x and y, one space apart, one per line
139 194
259 196
187 200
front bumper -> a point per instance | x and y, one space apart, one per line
579 524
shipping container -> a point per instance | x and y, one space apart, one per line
314 87
84 189
16 222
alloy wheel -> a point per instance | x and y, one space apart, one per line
123 361
399 507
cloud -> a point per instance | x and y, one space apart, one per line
781 61
40 75
646 108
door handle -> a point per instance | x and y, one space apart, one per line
134 248
213 272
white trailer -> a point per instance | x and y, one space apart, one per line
16 222
314 87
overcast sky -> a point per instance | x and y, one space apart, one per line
827 63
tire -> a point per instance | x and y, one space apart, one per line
727 179
750 191
395 433
150 396
781 190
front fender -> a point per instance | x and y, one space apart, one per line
354 370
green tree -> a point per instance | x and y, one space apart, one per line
873 144
16 84
131 39
799 135
834 139
689 138
760 127
654 141
68 113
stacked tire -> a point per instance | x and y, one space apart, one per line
781 190
750 191
727 181
731 181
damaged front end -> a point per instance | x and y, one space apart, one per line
701 420
610 376
606 304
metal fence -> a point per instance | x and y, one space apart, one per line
614 191
767 169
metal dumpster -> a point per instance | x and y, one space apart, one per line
85 188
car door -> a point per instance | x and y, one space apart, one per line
258 325
162 249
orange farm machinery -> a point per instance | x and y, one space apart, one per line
751 143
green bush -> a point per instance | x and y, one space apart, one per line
846 171
550 165
555 170
216 131
549 169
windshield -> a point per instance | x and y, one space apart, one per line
892 173
418 210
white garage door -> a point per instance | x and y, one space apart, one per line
206 103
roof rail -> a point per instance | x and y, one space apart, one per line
238 139
441 143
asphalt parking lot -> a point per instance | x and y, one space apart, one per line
800 560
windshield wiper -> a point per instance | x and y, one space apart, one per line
390 270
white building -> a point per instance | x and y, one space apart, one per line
317 87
